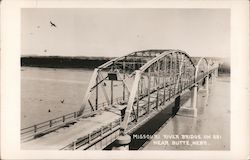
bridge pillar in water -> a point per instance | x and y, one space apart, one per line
205 90
216 72
190 109
211 78
122 142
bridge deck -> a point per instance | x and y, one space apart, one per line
64 136
213 119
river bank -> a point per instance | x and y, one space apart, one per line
93 62
63 62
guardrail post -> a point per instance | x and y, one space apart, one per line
111 126
74 114
89 137
50 123
101 131
35 128
63 118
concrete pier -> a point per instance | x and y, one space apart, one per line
190 108
122 142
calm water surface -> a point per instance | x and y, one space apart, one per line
43 89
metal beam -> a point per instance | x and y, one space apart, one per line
88 92
130 102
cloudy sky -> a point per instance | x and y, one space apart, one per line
115 32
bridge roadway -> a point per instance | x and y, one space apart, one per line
64 136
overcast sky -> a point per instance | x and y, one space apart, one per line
115 32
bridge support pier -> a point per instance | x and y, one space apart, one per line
211 78
216 73
206 89
190 110
122 142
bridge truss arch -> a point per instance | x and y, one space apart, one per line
201 68
139 83
116 74
204 68
164 77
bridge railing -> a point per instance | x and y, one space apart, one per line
44 127
94 136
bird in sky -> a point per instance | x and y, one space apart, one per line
52 24
62 100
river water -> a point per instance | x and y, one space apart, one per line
47 93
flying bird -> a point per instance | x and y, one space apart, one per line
62 100
52 24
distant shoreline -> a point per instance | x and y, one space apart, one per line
83 62
63 62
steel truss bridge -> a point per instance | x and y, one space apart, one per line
136 87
